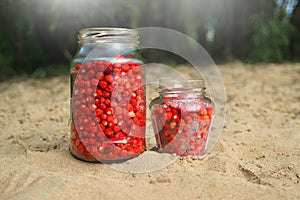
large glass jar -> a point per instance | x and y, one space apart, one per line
108 97
181 117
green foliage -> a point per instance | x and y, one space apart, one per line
35 36
50 70
6 66
270 42
6 58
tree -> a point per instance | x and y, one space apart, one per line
295 39
35 34
272 30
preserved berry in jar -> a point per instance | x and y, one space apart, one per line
107 96
181 117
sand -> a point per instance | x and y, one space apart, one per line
257 156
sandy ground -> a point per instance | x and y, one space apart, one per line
257 156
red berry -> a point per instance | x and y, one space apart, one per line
109 89
203 111
109 78
209 111
100 76
91 73
104 122
109 111
169 115
77 66
118 110
102 106
139 115
74 74
103 116
94 82
106 94
176 118
107 102
117 70
110 118
136 68
101 100
131 114
125 67
102 127
111 115
119 56
187 118
97 101
172 125
103 84
116 129
110 124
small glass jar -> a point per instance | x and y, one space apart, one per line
107 96
181 117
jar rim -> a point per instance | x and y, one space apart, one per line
181 84
173 87
107 34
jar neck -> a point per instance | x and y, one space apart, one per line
177 90
183 89
104 43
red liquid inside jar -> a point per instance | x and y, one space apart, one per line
108 110
181 119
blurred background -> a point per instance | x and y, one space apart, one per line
39 37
